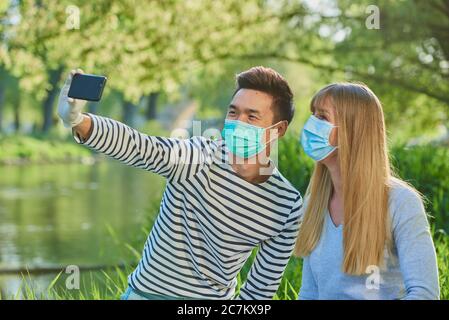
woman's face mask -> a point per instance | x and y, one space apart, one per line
243 139
315 138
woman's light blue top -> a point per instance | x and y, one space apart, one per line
411 270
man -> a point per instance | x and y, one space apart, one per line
222 198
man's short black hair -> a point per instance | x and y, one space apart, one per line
271 82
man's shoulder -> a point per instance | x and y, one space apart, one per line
285 183
294 196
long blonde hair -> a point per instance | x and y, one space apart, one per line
366 176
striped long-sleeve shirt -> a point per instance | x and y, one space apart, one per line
210 219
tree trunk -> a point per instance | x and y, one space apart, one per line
152 106
129 110
54 76
17 115
2 103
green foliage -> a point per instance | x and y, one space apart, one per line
426 168
160 46
406 66
143 47
154 128
294 164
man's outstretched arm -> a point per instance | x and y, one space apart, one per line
170 157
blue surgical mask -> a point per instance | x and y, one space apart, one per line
243 139
315 138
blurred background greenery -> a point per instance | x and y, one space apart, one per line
171 62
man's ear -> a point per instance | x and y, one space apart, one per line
277 132
282 128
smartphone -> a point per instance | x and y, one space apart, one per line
87 87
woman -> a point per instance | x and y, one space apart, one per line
364 233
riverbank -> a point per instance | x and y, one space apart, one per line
57 147
25 150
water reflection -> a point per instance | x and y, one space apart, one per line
59 214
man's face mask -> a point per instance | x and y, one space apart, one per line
243 139
315 138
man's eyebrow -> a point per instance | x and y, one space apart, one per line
253 111
249 110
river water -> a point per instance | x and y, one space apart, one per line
70 214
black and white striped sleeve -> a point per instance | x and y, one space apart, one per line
266 272
170 157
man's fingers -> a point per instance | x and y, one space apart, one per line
68 80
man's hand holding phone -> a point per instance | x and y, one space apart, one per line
69 109
79 88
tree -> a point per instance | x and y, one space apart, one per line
146 47
142 46
405 61
151 109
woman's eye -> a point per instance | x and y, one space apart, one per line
322 117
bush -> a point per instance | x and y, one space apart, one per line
425 167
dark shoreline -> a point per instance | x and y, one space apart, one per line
88 160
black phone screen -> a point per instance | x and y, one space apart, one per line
87 87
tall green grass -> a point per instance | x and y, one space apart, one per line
111 283
425 167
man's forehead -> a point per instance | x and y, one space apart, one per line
251 100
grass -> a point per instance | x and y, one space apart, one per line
110 284
441 240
